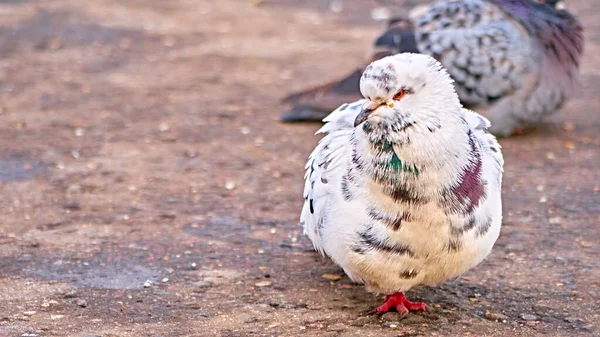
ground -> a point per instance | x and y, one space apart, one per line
148 188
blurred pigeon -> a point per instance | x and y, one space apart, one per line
516 61
404 189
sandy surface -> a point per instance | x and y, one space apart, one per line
149 190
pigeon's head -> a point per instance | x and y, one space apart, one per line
405 89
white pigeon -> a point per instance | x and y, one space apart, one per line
515 61
404 189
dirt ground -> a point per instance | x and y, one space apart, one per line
148 188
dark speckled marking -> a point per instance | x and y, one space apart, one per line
368 241
346 193
469 225
359 249
454 245
392 222
356 160
401 194
384 79
484 228
320 224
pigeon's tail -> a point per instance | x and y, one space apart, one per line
316 103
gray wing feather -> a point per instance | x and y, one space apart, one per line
481 47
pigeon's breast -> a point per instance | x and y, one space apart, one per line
393 246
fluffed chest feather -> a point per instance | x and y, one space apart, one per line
396 225
413 245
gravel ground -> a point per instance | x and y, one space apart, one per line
149 190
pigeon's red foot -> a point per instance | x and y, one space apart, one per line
401 303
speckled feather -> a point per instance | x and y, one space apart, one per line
411 195
516 59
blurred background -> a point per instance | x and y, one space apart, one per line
149 189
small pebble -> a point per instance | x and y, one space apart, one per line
362 321
380 13
414 319
331 277
163 127
72 206
568 126
79 132
263 283
492 316
147 284
555 220
29 313
203 284
588 327
337 327
82 303
165 280
70 294
529 317
56 316
391 316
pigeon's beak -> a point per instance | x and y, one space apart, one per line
366 111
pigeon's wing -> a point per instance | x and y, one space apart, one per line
325 168
483 49
479 125
476 121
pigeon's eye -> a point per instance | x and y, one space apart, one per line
399 94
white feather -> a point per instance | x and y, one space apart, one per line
439 143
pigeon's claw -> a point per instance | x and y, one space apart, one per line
402 305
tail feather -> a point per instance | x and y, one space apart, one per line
316 103
347 86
